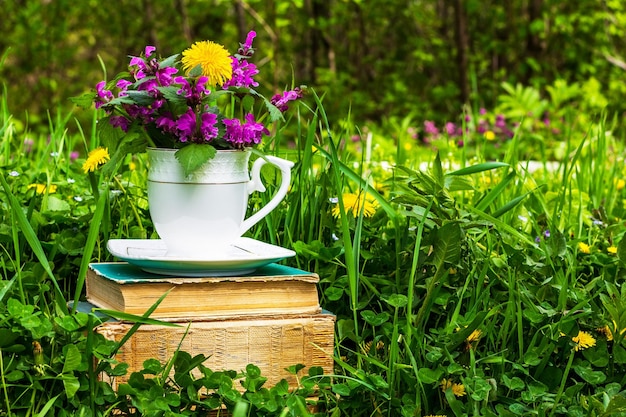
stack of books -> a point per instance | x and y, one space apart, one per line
271 318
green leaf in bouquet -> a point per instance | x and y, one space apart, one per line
177 102
193 156
247 104
170 61
131 142
273 111
85 100
195 71
109 135
141 98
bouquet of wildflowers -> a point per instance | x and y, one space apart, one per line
197 104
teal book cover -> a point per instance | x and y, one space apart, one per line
125 273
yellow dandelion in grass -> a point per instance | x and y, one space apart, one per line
354 203
474 336
606 331
583 247
41 188
583 340
96 158
489 135
609 332
457 389
612 250
213 58
620 184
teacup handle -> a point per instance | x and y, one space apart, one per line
256 184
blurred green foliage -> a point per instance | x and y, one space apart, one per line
381 58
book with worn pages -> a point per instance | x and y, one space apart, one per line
272 342
272 289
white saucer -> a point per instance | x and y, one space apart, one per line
242 257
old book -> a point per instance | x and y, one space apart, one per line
272 343
272 289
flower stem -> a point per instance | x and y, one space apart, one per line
559 394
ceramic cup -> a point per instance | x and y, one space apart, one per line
201 215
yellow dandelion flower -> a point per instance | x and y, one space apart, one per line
407 146
620 184
474 336
583 247
41 188
213 58
606 331
457 389
489 135
583 340
96 158
609 332
132 165
368 345
354 202
612 250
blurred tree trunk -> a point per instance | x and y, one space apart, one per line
534 47
181 7
462 46
240 13
148 21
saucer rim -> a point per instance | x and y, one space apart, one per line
193 267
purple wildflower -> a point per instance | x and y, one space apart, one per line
451 129
104 95
194 93
148 50
281 100
186 125
482 111
500 123
430 128
546 233
164 75
138 68
123 86
166 123
247 134
246 48
208 126
243 74
120 121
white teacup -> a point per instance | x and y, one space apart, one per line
200 216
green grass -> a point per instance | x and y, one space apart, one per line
465 242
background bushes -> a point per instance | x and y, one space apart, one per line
380 58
